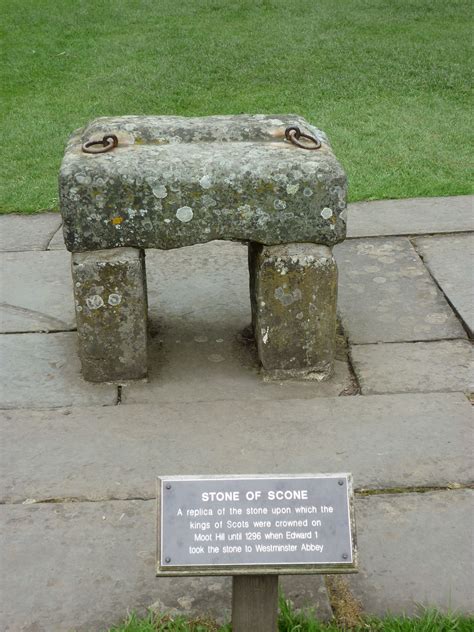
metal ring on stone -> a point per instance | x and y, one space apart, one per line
293 134
108 142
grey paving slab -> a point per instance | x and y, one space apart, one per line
27 232
450 260
415 551
43 371
414 367
57 240
36 292
84 566
116 452
411 216
387 295
199 304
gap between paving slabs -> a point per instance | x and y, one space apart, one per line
449 259
115 452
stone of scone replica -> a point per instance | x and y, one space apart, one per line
176 181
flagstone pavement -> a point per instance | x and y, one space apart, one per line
79 460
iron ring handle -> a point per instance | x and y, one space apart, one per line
108 142
293 134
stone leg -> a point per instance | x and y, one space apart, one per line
293 292
111 313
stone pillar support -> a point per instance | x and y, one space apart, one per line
293 291
111 313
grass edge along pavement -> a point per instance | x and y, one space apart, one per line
292 621
388 81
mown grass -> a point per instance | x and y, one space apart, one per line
292 621
388 80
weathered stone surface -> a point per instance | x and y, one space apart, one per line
36 292
43 371
415 550
293 291
175 181
387 295
57 240
198 306
116 452
84 566
27 232
416 367
413 216
111 312
450 260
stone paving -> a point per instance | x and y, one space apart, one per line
79 460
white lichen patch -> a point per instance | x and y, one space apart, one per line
287 298
216 357
159 191
307 192
95 301
244 210
326 213
167 221
185 214
264 332
291 189
208 201
83 178
205 182
379 280
279 205
114 299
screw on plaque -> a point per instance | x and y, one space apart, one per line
167 560
340 482
168 486
293 134
344 556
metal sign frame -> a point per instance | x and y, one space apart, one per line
169 570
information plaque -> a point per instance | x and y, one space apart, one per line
227 525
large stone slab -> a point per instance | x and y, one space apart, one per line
41 297
387 295
413 216
415 551
386 441
176 181
84 566
43 371
450 260
27 232
414 367
199 304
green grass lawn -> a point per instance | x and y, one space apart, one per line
291 621
388 80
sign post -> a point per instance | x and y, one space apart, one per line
255 528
